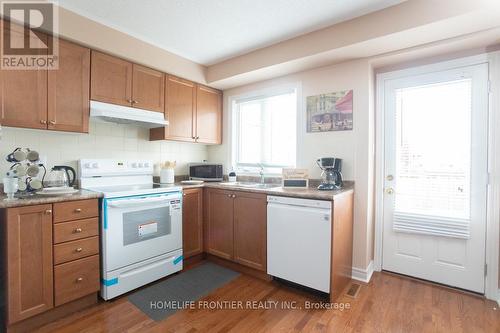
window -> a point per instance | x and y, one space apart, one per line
265 132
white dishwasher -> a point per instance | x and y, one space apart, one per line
299 241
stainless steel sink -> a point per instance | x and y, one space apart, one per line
250 185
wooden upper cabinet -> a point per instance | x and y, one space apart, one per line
194 113
69 89
23 93
111 79
179 111
148 89
250 229
219 219
208 115
192 222
29 261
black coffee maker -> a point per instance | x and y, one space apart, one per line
332 173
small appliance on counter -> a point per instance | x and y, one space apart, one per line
60 176
332 173
208 172
59 181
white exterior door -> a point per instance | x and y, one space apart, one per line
436 136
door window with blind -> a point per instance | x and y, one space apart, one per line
433 159
265 132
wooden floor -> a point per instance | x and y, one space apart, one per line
389 303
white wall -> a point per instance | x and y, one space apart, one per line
105 140
354 147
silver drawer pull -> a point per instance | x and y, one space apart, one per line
80 279
79 249
77 230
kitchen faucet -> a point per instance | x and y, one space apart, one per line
261 173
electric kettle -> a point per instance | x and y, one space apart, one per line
61 176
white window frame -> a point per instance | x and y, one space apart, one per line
254 168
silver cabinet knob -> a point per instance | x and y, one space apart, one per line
389 190
389 177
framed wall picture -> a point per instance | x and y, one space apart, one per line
330 112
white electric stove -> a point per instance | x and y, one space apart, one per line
141 223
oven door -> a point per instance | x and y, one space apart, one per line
140 227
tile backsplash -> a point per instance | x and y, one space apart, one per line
105 140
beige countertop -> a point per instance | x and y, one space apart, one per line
306 193
41 200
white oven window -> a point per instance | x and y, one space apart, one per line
146 224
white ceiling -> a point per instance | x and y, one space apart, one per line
210 31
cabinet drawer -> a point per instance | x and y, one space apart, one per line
74 210
76 249
68 231
76 279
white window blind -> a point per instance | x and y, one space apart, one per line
265 132
433 159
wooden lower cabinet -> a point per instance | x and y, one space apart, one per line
29 261
76 279
192 222
219 212
236 223
250 229
45 266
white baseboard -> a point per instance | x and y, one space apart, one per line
363 275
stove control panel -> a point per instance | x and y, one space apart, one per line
114 167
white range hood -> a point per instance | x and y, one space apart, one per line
126 115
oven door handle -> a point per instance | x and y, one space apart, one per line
137 202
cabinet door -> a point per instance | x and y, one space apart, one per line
219 210
179 111
250 226
23 93
111 79
192 222
148 89
29 261
69 89
208 115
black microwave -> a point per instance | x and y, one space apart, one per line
206 171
